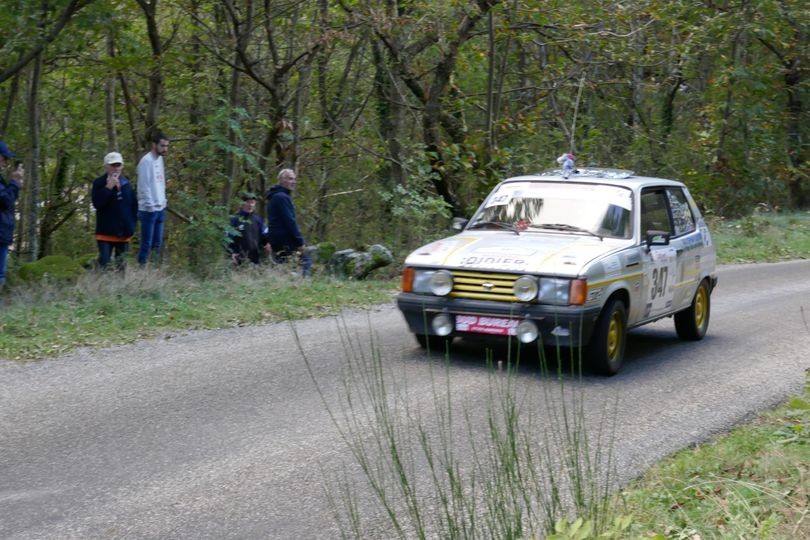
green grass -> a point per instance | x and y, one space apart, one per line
751 483
762 237
108 309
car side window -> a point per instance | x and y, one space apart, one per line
654 212
682 218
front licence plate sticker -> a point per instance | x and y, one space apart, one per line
497 326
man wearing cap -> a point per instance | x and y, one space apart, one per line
249 233
9 191
116 212
152 198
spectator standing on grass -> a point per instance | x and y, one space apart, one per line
286 239
250 237
9 191
116 212
152 199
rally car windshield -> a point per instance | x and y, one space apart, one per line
568 208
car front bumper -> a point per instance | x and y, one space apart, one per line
566 326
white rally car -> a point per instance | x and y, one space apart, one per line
574 260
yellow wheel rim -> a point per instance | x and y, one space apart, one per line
701 303
614 336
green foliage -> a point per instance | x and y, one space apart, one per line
762 237
750 483
677 89
796 422
198 245
416 211
54 268
581 529
326 250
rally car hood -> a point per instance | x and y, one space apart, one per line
533 253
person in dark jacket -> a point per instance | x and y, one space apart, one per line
250 237
9 191
116 212
285 236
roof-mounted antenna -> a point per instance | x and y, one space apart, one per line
567 160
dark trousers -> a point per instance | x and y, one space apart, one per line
282 255
252 256
3 258
108 250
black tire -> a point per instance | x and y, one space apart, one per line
693 322
606 349
436 344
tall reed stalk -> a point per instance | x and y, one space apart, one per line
429 463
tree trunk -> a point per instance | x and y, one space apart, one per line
230 158
33 183
109 99
322 207
390 116
195 110
59 207
155 94
798 182
721 164
490 119
10 99
137 144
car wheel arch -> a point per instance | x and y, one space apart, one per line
621 293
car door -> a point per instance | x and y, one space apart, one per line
660 261
687 241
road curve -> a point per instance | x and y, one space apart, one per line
222 434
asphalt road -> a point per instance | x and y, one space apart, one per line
223 434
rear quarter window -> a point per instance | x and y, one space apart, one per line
683 222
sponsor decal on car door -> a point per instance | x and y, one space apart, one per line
659 280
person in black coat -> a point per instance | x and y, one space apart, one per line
9 191
250 236
116 212
285 236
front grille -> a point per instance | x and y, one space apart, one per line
483 286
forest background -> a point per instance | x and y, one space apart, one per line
397 114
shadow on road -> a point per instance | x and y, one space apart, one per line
650 351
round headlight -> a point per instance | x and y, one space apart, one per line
441 283
527 331
442 324
525 288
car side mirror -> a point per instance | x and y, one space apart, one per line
459 223
657 238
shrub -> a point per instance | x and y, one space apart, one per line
52 267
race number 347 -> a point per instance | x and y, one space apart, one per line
659 282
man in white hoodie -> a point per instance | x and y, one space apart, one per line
152 198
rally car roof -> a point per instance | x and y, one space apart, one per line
597 175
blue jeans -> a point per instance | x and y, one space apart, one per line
3 259
106 250
151 234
